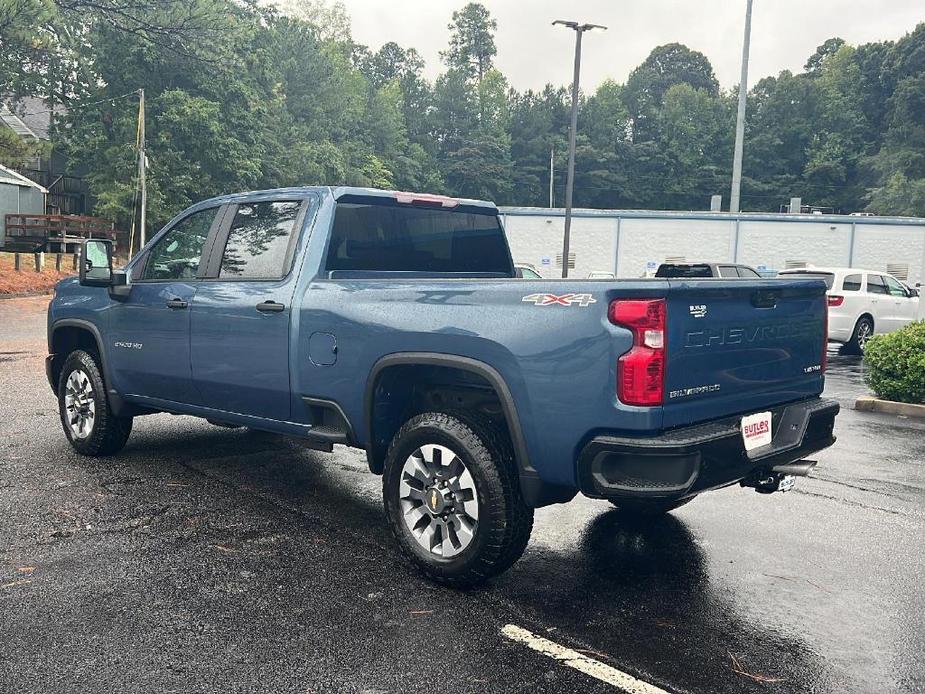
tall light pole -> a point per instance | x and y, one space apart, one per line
579 29
142 170
740 118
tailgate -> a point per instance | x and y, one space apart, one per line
737 346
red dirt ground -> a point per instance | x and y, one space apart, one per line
28 281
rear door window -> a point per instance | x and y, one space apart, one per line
748 273
259 244
876 285
398 238
729 271
851 283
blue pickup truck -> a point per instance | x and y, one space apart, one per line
394 322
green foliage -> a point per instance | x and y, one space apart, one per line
472 42
896 364
665 67
242 95
14 150
822 54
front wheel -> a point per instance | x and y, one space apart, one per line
453 500
88 421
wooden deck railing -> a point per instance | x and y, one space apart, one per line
56 233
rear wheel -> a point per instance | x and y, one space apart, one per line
639 508
863 330
453 499
89 423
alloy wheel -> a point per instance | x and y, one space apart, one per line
864 332
439 503
79 404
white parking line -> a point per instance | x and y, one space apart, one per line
579 661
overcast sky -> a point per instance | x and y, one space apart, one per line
531 52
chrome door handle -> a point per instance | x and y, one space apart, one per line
176 303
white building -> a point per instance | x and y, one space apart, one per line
630 242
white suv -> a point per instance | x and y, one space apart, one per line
862 303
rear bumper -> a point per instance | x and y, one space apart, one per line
840 326
687 461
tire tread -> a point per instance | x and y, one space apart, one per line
509 522
110 433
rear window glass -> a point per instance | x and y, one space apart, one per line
827 277
669 271
851 283
388 237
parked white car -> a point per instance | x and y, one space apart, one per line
863 303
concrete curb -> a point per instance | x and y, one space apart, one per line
905 409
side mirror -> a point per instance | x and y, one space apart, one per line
96 263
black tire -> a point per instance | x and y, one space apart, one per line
504 521
859 337
107 433
642 508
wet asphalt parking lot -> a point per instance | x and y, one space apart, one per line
210 560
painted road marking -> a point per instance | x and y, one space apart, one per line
580 662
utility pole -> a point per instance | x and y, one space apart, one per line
552 175
142 165
579 29
740 118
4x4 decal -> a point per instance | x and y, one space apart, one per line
582 300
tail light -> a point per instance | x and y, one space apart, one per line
836 300
641 371
825 334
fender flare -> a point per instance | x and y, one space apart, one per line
118 405
535 492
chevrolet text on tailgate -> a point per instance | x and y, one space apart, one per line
394 322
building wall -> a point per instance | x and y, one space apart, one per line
538 240
18 199
626 242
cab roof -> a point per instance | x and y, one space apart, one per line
356 193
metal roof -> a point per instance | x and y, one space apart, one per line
28 116
15 123
10 177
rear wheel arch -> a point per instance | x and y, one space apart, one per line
420 366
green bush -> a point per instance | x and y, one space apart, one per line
896 364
